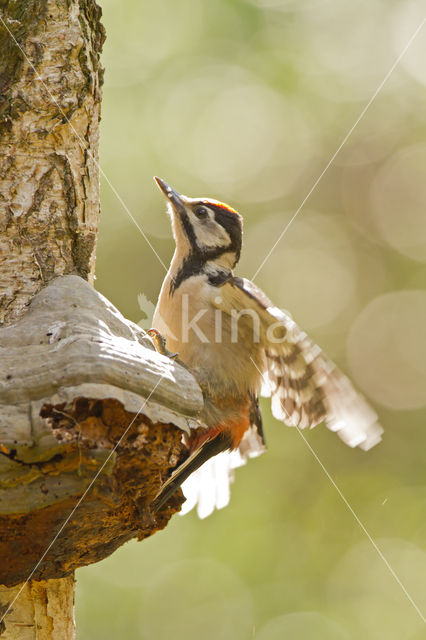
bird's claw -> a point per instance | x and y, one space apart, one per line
159 342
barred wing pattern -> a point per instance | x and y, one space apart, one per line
305 386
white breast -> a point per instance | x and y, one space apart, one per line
202 335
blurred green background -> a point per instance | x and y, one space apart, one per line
246 101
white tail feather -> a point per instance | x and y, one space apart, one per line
209 487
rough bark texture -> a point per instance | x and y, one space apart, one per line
77 380
43 611
117 507
50 80
60 419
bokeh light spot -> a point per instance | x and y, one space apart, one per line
312 268
408 15
199 598
386 349
364 592
303 625
398 202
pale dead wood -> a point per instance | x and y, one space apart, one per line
44 608
76 380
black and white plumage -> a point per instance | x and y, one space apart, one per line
236 342
305 386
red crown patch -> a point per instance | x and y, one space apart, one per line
220 205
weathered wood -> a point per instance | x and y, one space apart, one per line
50 93
76 380
71 335
86 436
43 611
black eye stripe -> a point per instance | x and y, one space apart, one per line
189 231
199 255
232 224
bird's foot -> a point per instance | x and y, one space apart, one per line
159 342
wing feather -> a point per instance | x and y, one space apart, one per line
305 386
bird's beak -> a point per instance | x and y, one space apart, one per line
172 196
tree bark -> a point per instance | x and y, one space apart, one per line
91 415
88 431
43 610
50 80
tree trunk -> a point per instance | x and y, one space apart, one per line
91 415
43 610
50 80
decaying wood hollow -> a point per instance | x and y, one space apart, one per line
76 381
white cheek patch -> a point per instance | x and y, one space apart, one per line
209 233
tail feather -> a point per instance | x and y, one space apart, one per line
209 487
210 448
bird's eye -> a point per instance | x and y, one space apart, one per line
201 213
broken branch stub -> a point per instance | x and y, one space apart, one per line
83 395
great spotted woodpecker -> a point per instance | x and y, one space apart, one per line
236 342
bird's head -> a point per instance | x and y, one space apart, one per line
205 229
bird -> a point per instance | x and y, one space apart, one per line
238 344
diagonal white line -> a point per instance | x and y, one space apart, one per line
79 501
339 148
84 145
376 547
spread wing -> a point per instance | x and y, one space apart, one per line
306 387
